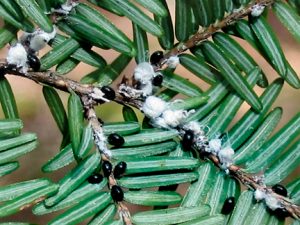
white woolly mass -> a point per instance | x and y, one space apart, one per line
38 39
144 73
196 127
172 62
257 10
272 202
226 156
159 122
171 118
214 145
65 8
259 195
147 89
161 116
153 107
100 141
17 56
174 118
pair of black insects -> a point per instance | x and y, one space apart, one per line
280 213
116 191
155 59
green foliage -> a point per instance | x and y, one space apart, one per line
155 157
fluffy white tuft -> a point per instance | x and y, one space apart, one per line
38 39
101 143
144 73
226 156
65 8
259 195
257 10
159 122
17 56
147 89
214 145
153 107
272 202
174 118
48 36
172 62
171 118
37 43
196 127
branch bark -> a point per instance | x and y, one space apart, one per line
204 33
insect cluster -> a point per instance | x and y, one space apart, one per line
272 203
193 135
23 55
116 191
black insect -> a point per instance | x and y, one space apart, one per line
156 57
33 61
109 93
115 140
106 168
2 71
157 80
280 189
188 139
228 206
117 193
281 213
120 169
95 178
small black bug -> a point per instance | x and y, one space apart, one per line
2 71
33 61
156 57
106 168
279 189
100 121
120 169
109 93
115 140
281 213
95 178
157 80
117 193
228 206
188 139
